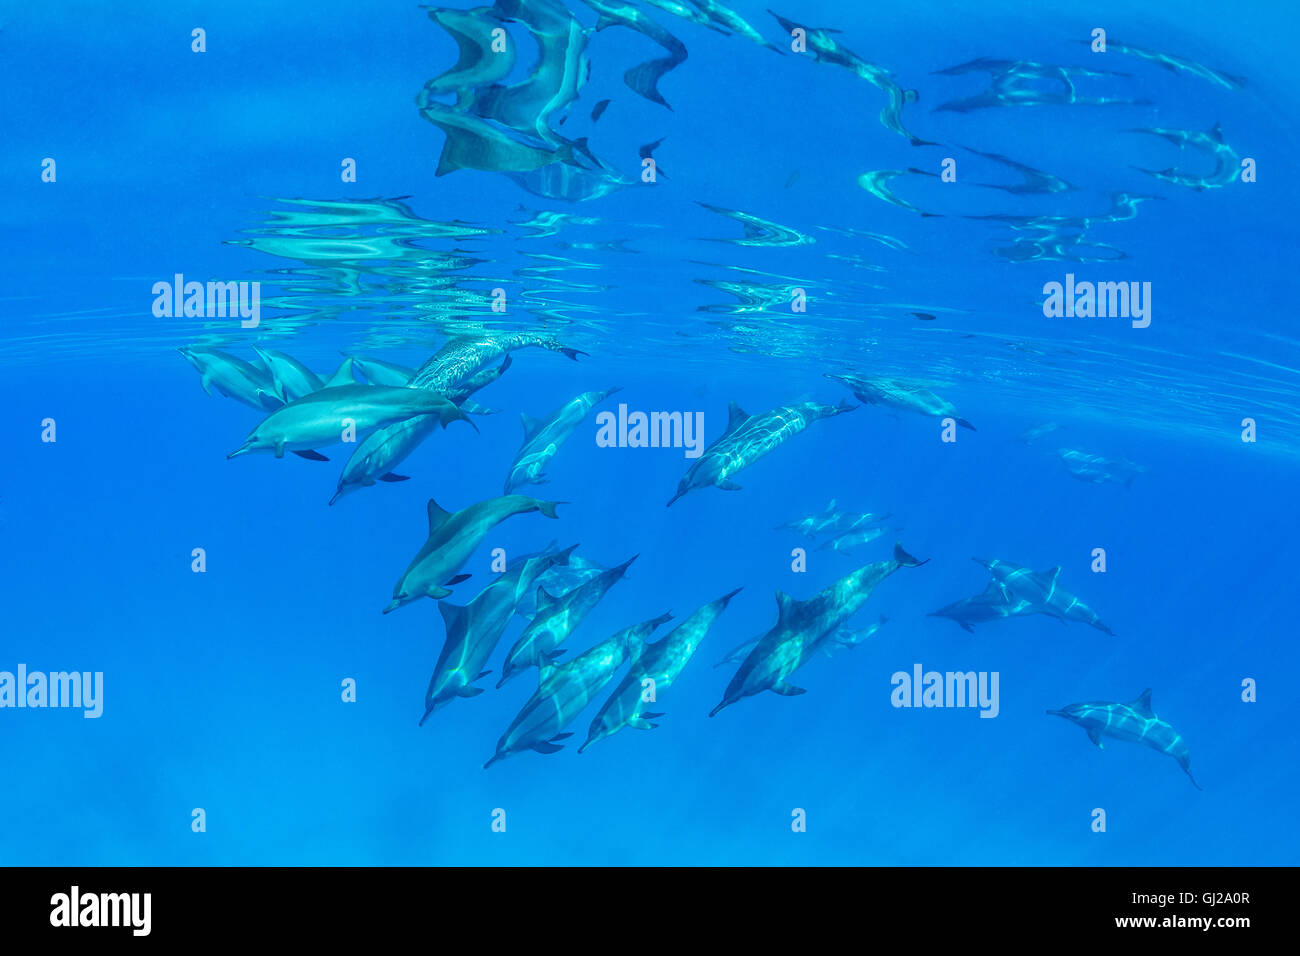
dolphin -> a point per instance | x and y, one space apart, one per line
1042 591
850 541
463 356
461 391
1031 435
1176 64
833 520
843 639
992 604
345 374
1020 83
557 618
679 9
747 439
661 663
233 378
566 689
826 49
803 626
292 379
1097 470
903 395
1134 721
477 63
475 143
731 20
317 420
543 438
474 629
378 372
1035 180
453 537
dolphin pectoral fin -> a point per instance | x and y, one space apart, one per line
482 675
965 424
547 748
279 450
310 455
966 627
727 485
650 716
457 579
206 383
552 655
564 736
788 690
1095 737
469 691
640 723
392 477
437 592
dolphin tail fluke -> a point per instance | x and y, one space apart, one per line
906 560
548 508
573 353
965 424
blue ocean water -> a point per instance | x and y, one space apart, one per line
222 689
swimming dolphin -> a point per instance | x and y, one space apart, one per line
1031 435
731 20
378 372
317 420
1020 83
993 604
557 618
474 629
850 541
462 357
661 662
1042 591
566 689
824 48
1097 470
903 395
1176 64
292 379
453 537
803 626
543 438
233 378
462 390
1035 180
834 521
747 439
843 639
1134 721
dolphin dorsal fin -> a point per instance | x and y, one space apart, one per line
735 416
1049 576
544 599
531 425
437 516
784 605
1143 701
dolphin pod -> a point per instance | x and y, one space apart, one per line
802 627
1134 721
452 538
556 619
565 690
654 670
1042 591
474 629
748 438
